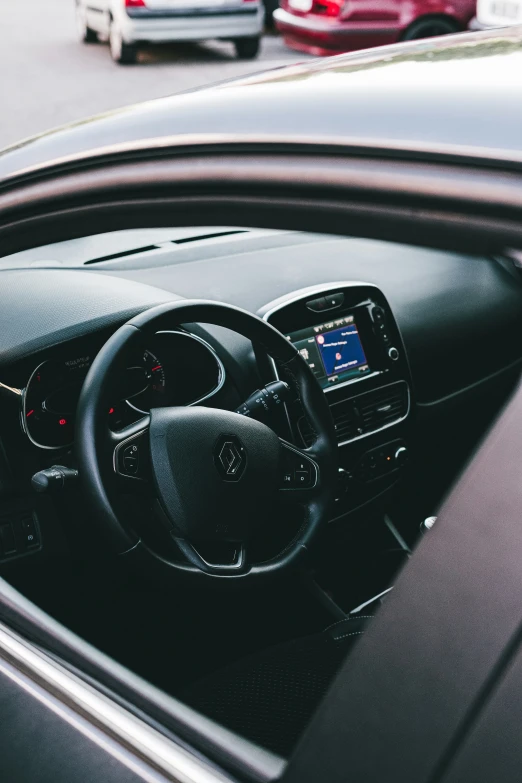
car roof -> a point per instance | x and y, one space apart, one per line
456 95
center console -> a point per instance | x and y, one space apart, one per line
347 334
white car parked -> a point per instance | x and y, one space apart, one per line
496 13
128 23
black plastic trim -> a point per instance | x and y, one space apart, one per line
188 12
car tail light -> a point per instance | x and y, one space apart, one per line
327 7
135 4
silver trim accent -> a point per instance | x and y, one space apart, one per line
221 368
303 293
385 426
397 536
371 601
235 566
336 386
11 389
24 414
148 753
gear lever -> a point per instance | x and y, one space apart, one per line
427 524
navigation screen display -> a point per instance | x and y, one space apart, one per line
333 351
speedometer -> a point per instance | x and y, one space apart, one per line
50 399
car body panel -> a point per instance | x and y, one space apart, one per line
423 97
498 13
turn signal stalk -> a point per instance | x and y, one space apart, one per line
264 400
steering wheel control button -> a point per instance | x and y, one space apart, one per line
298 471
129 458
130 466
230 457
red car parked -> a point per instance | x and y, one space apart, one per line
323 27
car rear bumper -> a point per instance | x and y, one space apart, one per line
476 26
194 24
319 36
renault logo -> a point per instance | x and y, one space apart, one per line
230 457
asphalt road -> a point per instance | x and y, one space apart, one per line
48 78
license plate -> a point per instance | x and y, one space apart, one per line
505 10
301 5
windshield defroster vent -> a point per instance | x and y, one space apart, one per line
161 245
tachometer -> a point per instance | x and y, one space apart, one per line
146 383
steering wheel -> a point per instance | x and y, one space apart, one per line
214 476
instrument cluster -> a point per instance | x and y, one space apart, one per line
178 368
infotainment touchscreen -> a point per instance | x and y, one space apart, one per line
333 350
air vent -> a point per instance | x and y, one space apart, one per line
346 421
370 412
383 407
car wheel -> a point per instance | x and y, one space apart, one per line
247 48
85 34
121 52
430 27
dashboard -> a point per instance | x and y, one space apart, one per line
413 348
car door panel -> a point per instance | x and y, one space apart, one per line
43 741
